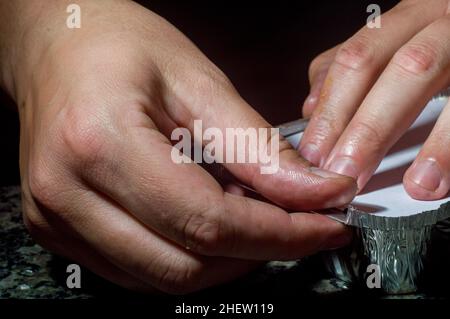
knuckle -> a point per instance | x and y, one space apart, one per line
204 232
34 222
42 201
324 124
326 116
416 58
84 135
369 133
203 236
434 142
357 54
210 82
38 227
41 183
317 64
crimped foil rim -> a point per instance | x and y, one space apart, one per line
361 219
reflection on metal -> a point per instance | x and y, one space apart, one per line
398 245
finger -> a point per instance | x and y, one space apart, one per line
75 249
357 65
185 204
317 73
293 185
417 71
126 243
56 237
428 178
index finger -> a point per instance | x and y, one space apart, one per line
416 72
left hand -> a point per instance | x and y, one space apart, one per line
366 92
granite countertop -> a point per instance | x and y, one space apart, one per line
28 271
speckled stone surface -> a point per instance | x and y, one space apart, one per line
27 271
25 267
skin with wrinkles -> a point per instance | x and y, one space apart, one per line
381 80
97 106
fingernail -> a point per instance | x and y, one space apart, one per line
426 174
311 153
344 166
323 173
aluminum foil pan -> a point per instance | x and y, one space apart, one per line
353 216
398 246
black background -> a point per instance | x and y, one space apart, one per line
264 47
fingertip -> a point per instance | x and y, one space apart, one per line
340 237
419 193
424 180
351 167
334 190
344 165
415 191
330 233
312 154
344 195
299 186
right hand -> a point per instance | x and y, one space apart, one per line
97 106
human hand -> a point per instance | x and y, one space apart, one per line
97 108
367 92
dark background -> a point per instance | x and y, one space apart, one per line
264 47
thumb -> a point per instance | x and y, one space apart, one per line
293 183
